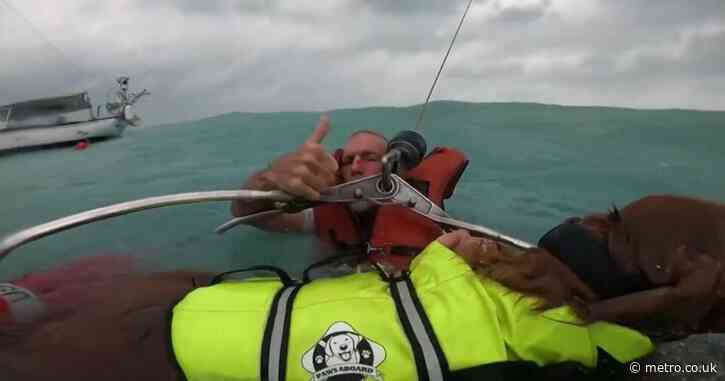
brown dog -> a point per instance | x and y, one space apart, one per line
678 243
644 234
656 264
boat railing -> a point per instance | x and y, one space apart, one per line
5 116
123 97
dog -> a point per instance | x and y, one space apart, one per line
122 329
656 264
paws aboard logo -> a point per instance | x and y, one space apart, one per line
343 354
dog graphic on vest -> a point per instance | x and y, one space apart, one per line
343 354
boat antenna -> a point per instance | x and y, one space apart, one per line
419 123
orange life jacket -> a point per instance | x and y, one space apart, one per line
396 233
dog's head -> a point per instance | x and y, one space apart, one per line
584 249
342 345
644 236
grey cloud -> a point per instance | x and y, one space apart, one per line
706 55
520 13
668 13
408 7
204 58
206 6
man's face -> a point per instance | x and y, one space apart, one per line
361 156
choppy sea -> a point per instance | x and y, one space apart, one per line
532 165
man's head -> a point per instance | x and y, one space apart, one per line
362 154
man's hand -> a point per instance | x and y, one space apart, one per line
307 170
535 272
476 251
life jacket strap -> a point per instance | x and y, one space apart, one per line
306 278
275 341
430 361
276 333
283 276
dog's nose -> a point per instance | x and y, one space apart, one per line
343 346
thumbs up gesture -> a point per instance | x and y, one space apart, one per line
307 170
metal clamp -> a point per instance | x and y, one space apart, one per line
407 196
367 188
400 193
391 162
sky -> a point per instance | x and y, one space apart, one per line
204 58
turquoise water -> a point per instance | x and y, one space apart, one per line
531 166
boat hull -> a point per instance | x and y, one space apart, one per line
16 138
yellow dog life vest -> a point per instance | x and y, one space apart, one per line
440 319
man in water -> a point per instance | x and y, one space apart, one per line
388 233
308 170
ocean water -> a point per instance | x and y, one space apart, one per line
532 165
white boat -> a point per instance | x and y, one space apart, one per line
65 119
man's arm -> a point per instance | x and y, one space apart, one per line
294 222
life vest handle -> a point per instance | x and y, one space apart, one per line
283 276
334 259
384 275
